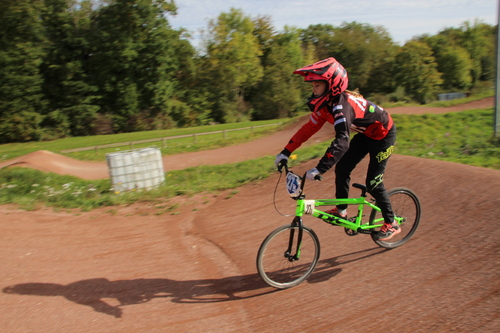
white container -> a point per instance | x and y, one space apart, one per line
135 169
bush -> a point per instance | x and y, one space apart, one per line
20 127
55 126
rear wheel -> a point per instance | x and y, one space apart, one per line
406 205
279 263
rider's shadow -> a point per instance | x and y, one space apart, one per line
329 268
93 292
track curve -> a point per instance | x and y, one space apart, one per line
126 269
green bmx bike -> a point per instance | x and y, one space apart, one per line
290 253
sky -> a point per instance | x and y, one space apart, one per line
403 19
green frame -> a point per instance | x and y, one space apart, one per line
304 208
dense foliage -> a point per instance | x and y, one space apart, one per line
77 68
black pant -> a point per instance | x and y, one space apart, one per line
380 151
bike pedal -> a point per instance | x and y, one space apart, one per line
350 232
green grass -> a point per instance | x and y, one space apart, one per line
183 145
475 97
463 137
12 150
31 189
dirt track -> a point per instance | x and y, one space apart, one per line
127 270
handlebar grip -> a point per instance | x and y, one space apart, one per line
283 164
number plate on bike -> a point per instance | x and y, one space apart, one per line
293 185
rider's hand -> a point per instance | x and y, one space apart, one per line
280 157
311 174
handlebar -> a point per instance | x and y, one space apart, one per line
294 183
284 164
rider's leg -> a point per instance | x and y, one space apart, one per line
380 151
356 152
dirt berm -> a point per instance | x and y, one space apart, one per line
126 269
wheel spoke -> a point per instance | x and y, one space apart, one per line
405 205
276 268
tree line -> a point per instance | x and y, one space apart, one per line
76 68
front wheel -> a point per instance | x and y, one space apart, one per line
406 205
284 263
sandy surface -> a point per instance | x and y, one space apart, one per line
127 269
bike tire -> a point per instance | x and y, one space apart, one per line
405 203
276 269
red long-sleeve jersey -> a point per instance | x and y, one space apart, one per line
346 113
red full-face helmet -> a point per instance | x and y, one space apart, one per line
327 70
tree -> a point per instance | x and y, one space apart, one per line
22 40
188 106
367 52
134 62
265 33
72 100
364 49
231 64
279 94
416 71
479 40
321 36
456 67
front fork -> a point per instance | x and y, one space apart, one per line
297 222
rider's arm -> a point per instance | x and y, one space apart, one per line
316 121
338 147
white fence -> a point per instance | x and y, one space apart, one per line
162 140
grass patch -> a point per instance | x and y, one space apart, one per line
183 145
30 189
12 150
464 137
474 97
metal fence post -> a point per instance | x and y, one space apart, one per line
496 129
